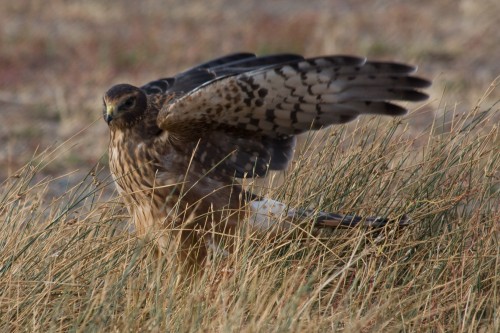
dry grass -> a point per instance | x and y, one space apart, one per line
57 58
69 262
71 265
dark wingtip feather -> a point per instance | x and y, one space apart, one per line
408 95
418 82
395 110
393 67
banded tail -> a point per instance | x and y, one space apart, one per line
267 213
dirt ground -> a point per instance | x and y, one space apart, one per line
57 58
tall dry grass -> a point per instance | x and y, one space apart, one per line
71 264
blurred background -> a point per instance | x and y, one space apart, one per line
57 57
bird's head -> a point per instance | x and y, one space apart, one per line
124 106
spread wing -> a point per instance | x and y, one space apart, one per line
244 111
232 64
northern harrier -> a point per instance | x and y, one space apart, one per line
177 144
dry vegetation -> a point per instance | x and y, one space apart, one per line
69 262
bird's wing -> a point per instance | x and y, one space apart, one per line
218 68
247 113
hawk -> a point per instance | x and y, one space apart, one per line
177 144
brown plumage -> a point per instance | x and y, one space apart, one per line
178 143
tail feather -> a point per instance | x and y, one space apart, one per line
267 213
322 219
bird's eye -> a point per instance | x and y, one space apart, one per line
129 102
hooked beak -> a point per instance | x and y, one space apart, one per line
109 114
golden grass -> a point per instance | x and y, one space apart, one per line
72 265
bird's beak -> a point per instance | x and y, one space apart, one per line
109 113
